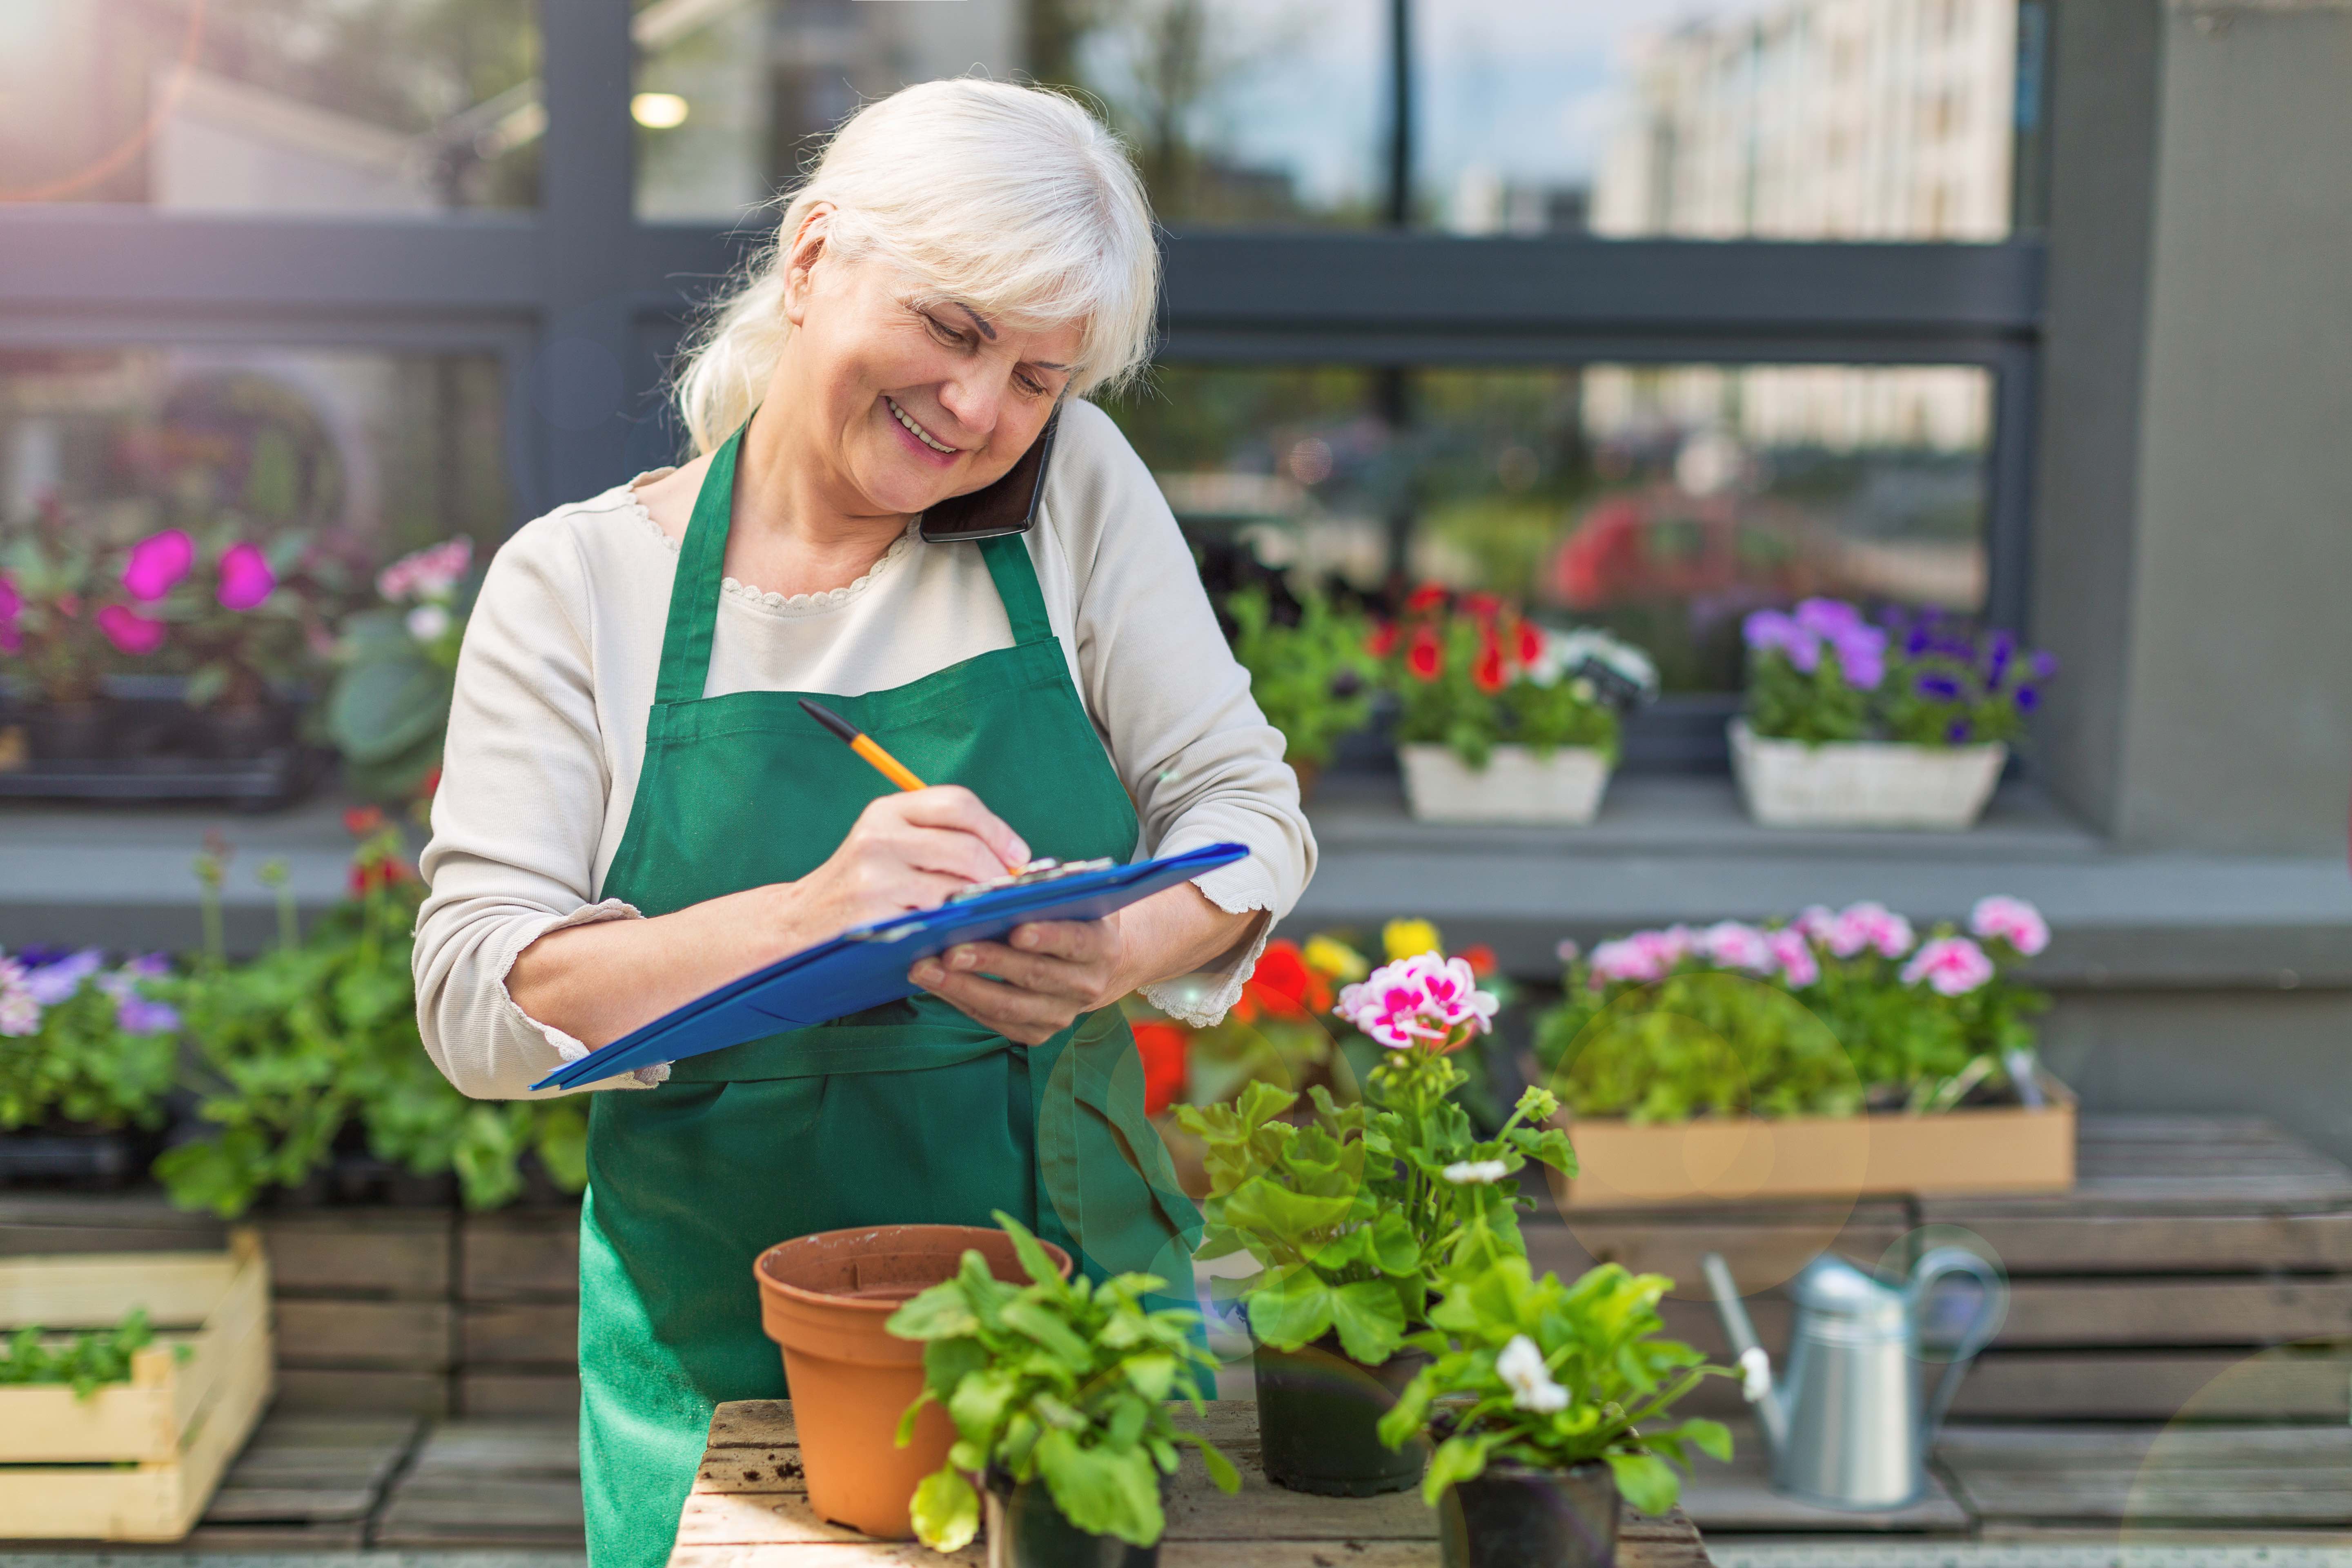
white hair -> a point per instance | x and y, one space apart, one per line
1013 200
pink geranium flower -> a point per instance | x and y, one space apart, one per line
431 574
1425 999
1794 955
130 631
1729 944
1951 965
20 1015
245 579
1871 927
1815 923
156 563
2012 921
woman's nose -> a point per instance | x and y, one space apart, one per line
975 400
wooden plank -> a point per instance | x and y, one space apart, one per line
402 1335
2211 1446
502 1511
311 1539
2173 1244
178 1288
512 1393
472 1447
344 1390
1735 1497
1677 1551
49 1223
2155 1386
2176 1311
540 1333
392 1254
2241 1496
520 1255
752 1424
1763 1248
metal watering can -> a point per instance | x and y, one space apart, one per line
1847 1425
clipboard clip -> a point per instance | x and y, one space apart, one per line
1046 869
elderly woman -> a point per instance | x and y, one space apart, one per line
635 809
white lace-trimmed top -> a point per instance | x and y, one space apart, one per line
547 730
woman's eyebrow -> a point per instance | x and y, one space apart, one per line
988 331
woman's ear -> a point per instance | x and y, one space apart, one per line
808 248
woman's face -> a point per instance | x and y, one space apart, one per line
915 403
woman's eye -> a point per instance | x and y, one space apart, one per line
944 330
1032 386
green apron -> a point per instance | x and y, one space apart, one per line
910 1112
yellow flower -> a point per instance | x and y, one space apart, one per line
1330 955
1409 939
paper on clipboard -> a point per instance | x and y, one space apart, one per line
866 965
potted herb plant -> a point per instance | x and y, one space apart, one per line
1060 1391
1541 1400
1501 720
1904 722
388 710
87 1057
1351 1214
1313 675
1834 1054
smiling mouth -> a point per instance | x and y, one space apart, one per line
925 436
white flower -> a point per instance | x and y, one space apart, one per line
20 1015
427 622
1464 1172
1521 1365
1755 1373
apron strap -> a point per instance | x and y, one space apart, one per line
1016 584
694 590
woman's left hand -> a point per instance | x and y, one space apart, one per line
1032 988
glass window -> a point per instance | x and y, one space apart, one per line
370 454
1664 503
1261 112
394 107
1718 119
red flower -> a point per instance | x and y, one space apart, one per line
1480 958
1163 1047
362 820
1424 656
1427 597
1383 640
1284 986
1531 643
1488 674
432 784
388 873
1485 606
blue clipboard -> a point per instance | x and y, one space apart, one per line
867 966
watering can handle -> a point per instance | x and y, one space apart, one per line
1933 1270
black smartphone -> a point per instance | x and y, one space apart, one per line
1008 506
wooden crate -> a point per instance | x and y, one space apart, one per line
136 1461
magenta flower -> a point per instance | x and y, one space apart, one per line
156 563
1862 657
1425 999
431 575
1568 950
12 600
1729 945
1815 923
245 579
1951 965
1870 927
130 631
2012 921
1832 619
1794 954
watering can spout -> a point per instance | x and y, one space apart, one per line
1755 1365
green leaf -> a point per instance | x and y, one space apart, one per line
946 1511
1033 1258
979 1402
382 708
939 1313
1291 1309
1712 1438
1369 1318
1101 1492
1222 1474
1462 1459
1648 1483
1151 1375
1040 1324
1394 1247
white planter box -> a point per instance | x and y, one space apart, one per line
1863 783
1516 786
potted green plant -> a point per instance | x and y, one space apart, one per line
1352 1212
1902 722
86 1056
52 637
1501 720
388 710
1313 676
1061 1394
1540 1398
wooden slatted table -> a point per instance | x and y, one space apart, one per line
750 1510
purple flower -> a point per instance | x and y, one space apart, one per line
2026 699
245 579
1957 734
51 983
1999 648
1939 687
1832 619
1767 630
1862 657
1914 642
156 563
2044 666
135 1014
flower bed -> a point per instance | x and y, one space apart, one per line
1836 1053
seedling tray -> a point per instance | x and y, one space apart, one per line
135 1461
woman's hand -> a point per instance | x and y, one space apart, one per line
907 851
1048 973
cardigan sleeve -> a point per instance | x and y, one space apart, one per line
1174 706
515 820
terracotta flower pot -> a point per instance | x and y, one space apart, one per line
825 1299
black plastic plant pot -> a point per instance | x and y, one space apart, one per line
1517 1517
1318 1415
1026 1531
